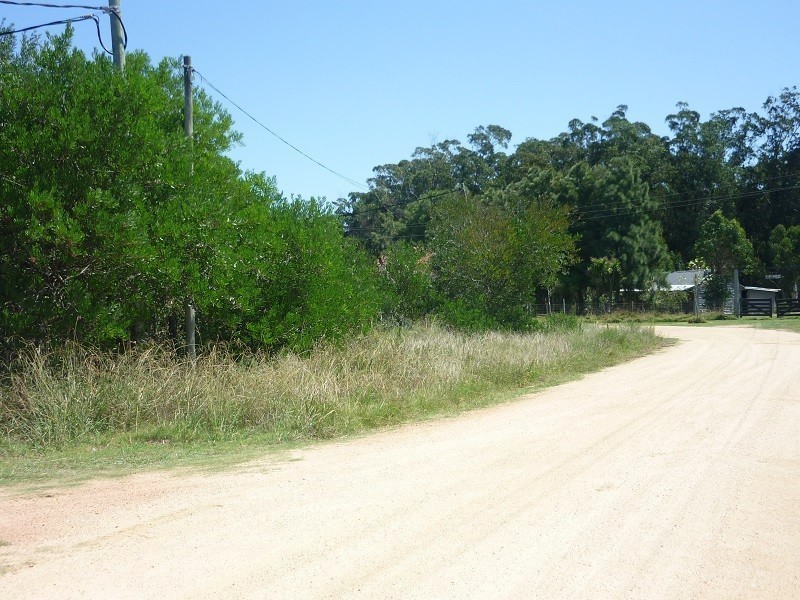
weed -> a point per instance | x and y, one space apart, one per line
145 403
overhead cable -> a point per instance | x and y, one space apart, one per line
45 5
611 212
61 22
608 213
617 208
292 146
622 203
108 10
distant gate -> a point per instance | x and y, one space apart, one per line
754 308
789 307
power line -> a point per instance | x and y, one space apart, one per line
679 204
292 146
684 194
61 22
106 9
609 206
609 212
603 212
67 22
93 17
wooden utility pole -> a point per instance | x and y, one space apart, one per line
188 107
117 41
188 126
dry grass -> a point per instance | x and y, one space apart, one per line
74 396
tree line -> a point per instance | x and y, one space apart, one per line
111 219
604 209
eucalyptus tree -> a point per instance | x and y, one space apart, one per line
398 204
707 171
724 246
773 191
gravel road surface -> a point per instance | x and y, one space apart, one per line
674 476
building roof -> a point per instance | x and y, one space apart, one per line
680 281
760 289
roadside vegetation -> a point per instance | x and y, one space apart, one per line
74 411
784 323
654 317
710 318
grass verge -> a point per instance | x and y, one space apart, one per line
73 414
784 323
711 319
653 318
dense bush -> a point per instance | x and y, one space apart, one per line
492 254
409 291
111 219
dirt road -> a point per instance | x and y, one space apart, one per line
674 476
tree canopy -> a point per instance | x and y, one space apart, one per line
644 203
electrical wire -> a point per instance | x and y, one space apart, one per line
610 214
292 146
106 9
118 17
607 213
61 22
610 209
110 11
676 194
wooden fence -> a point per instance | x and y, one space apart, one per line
789 307
749 308
761 307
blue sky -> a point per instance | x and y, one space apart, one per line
358 84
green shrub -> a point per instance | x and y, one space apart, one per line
462 316
407 282
562 322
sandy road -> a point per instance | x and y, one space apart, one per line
674 476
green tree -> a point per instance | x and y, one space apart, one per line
492 254
707 166
398 203
617 219
89 159
106 229
407 277
723 245
604 273
773 182
785 249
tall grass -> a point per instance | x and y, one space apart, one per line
53 399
